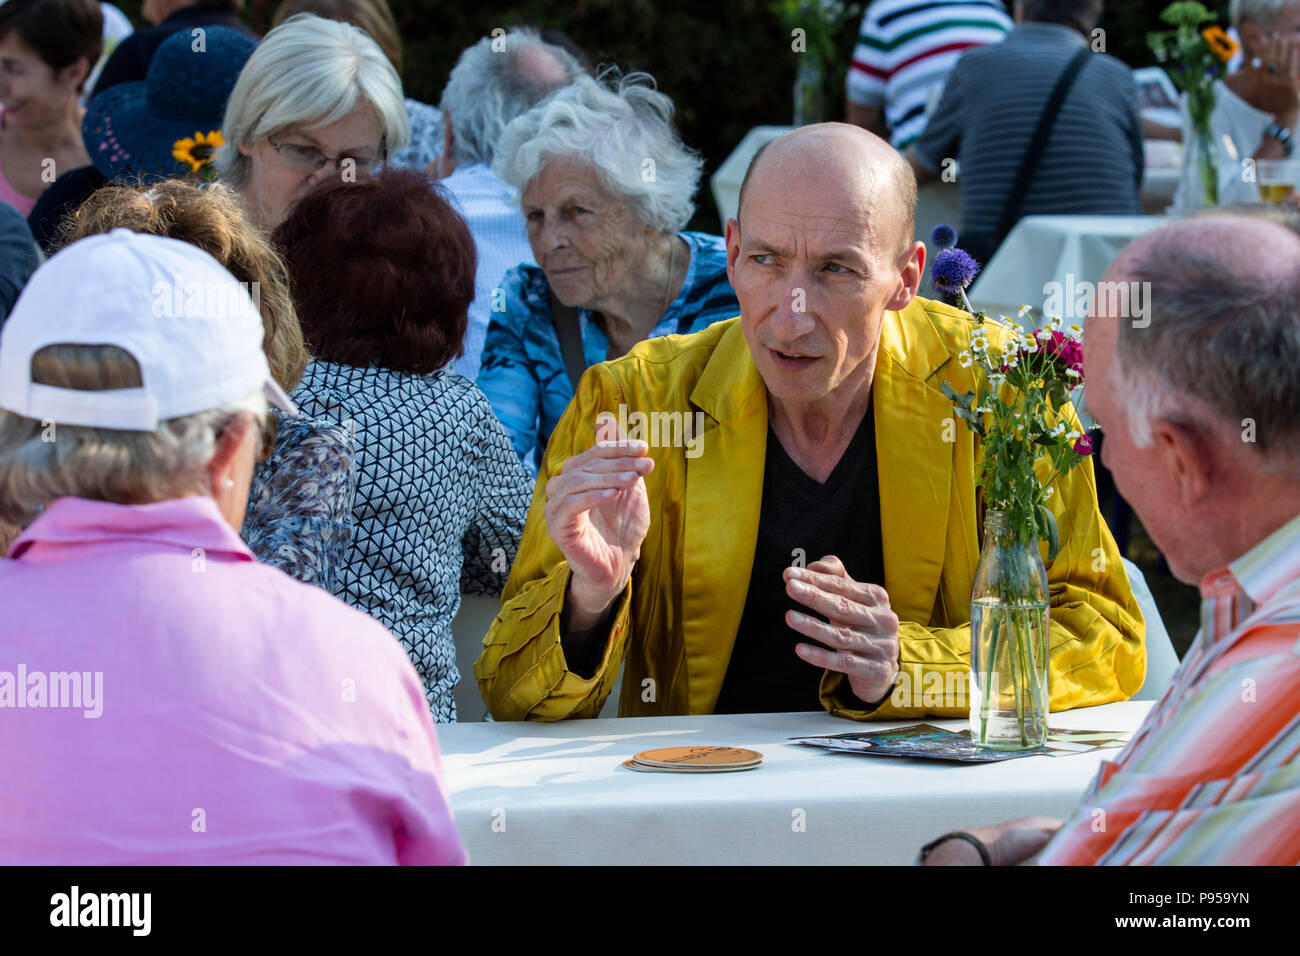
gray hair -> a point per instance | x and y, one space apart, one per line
623 127
1221 350
309 71
492 83
39 463
1263 13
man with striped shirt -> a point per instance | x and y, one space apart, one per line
905 49
1202 410
1090 162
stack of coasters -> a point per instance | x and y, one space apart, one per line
695 760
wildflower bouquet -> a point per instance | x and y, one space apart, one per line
1194 56
1024 382
1024 385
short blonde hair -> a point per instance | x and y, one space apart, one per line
104 464
309 71
213 219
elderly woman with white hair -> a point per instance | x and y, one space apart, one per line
221 692
1256 109
606 187
317 98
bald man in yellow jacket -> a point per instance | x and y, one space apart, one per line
661 552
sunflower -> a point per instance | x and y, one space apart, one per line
198 151
1224 47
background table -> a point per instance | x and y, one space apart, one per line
534 793
1043 249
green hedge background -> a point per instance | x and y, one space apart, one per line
727 64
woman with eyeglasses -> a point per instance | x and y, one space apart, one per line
317 100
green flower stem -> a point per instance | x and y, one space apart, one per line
1205 161
1015 651
988 678
1024 675
966 302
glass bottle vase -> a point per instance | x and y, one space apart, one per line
1207 155
1009 640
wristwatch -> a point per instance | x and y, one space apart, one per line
1281 134
957 835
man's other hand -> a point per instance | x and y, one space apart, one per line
862 632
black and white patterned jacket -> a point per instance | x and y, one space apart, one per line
440 504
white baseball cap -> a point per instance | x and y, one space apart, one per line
195 332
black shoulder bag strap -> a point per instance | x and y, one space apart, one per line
1038 144
569 330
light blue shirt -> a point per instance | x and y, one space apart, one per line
491 207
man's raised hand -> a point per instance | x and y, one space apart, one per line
598 514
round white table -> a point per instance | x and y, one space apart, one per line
557 793
1070 251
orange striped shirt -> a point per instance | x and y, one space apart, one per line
1212 775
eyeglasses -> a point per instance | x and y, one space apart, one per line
308 159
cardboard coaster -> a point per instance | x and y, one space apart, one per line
700 758
646 768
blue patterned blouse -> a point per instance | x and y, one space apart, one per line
523 373
299 516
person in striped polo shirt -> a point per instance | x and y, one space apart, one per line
904 51
1202 409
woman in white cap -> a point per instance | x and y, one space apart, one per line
300 506
176 701
317 99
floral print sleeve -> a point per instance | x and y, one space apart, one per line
300 501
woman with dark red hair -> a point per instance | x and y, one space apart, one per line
383 275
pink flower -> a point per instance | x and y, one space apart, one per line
1083 446
1060 346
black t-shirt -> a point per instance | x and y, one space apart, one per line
801 522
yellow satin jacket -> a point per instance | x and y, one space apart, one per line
676 622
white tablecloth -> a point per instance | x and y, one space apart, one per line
1042 249
534 793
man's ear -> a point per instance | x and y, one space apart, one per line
911 269
732 238
1188 458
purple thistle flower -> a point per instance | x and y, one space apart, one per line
953 270
943 236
